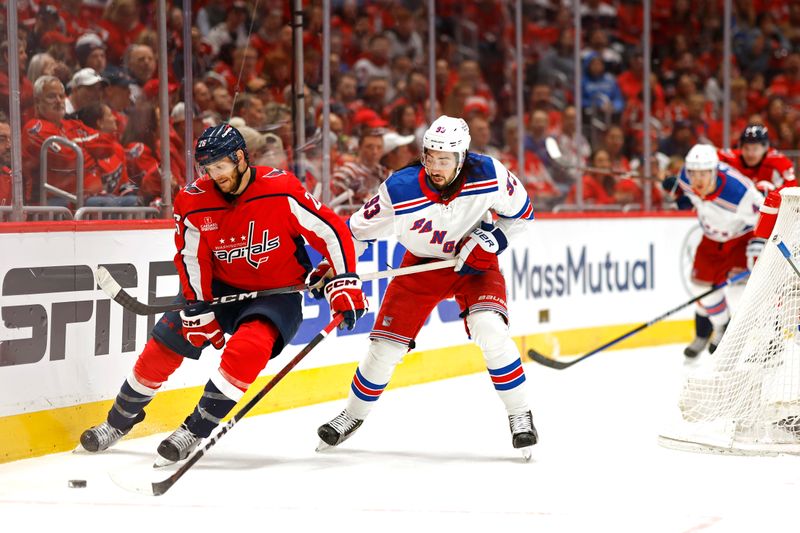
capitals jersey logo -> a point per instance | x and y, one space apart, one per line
255 253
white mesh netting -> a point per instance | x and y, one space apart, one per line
745 398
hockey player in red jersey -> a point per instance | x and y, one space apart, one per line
767 167
238 228
441 208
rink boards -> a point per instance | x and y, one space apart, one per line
573 283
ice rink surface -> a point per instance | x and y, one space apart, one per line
435 457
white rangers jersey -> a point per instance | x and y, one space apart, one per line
408 207
731 210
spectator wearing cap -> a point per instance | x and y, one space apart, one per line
86 87
355 182
123 25
140 62
25 84
232 31
91 52
49 101
117 94
57 44
398 150
47 20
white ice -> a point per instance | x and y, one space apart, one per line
435 457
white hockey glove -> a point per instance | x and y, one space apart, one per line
754 248
477 252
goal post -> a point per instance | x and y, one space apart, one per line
745 398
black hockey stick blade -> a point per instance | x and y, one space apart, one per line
546 361
113 289
157 488
561 365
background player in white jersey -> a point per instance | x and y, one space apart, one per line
727 205
440 209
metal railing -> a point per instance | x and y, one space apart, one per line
122 213
44 187
37 212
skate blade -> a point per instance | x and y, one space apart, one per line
161 462
322 446
527 453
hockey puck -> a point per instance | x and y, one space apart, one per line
77 483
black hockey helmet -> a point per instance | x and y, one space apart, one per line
755 134
217 142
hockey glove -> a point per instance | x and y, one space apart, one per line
477 252
344 295
317 278
754 248
200 325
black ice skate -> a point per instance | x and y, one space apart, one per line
523 433
697 345
337 430
102 436
176 447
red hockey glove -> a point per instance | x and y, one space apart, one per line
201 326
317 278
344 295
477 252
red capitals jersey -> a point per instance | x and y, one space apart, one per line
774 168
254 241
62 161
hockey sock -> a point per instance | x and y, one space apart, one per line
717 310
246 354
155 364
490 333
373 375
702 326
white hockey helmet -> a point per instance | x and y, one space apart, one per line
702 157
448 134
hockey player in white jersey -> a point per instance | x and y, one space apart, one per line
727 205
441 209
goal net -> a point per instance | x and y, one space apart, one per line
745 398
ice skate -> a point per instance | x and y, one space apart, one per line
176 447
102 436
337 430
716 338
697 345
523 433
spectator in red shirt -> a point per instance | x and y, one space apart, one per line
5 162
49 99
25 85
123 25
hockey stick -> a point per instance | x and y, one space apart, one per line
554 151
113 289
158 488
785 252
561 365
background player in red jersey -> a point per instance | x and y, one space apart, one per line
238 228
768 168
